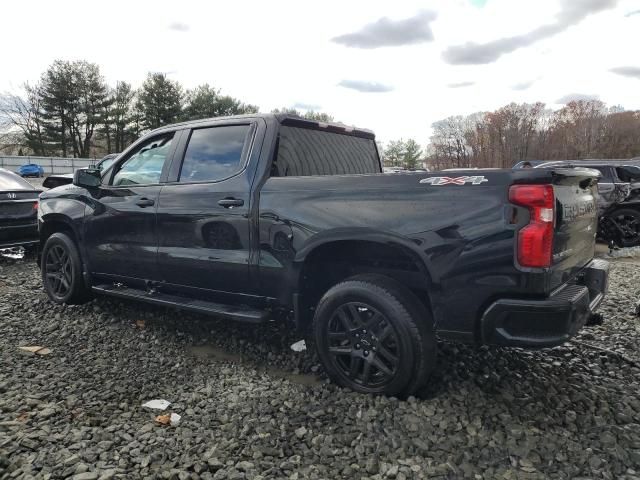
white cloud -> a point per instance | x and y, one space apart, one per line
386 32
460 84
576 97
179 27
632 72
365 86
571 12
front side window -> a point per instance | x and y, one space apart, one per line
106 162
144 165
214 153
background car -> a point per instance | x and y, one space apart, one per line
31 170
618 199
18 211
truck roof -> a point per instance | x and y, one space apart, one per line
283 119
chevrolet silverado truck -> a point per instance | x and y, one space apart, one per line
257 217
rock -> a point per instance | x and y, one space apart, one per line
244 466
371 465
85 476
72 460
392 472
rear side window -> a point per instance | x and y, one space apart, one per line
306 152
606 174
214 153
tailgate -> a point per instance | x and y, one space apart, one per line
576 221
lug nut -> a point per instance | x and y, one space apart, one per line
364 331
358 346
366 353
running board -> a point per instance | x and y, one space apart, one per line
231 312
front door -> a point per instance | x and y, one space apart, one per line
203 213
120 228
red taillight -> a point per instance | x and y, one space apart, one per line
35 205
535 241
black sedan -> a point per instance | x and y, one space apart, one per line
18 211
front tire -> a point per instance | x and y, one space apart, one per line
62 271
374 336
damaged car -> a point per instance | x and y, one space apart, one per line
618 200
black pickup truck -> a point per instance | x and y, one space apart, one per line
265 216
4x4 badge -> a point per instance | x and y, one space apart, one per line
438 181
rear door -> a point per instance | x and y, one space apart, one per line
203 212
120 231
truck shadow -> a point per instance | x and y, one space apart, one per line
488 372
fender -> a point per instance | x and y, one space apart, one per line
371 235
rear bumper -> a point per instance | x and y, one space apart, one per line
551 321
18 235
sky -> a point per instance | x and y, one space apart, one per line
393 67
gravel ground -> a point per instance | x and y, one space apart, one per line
252 408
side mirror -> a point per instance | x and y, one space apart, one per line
87 178
629 173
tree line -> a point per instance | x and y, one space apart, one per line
579 130
71 111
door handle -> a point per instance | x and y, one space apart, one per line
145 202
231 202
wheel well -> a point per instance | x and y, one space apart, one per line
334 262
53 226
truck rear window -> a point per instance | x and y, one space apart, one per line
306 152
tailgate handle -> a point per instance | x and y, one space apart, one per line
231 202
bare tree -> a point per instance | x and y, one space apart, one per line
21 120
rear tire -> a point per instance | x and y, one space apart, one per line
629 220
62 271
374 336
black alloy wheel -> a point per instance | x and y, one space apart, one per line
373 335
363 344
58 271
61 267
